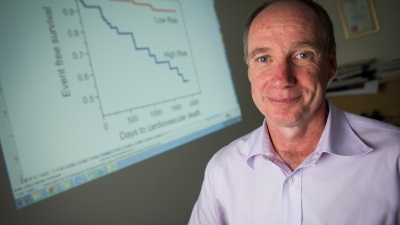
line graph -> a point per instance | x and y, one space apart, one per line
147 49
153 52
146 4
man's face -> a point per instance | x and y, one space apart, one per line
287 65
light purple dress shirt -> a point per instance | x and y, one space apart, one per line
352 177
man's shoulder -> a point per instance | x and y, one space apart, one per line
240 147
374 131
368 124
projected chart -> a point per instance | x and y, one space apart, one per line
153 48
88 87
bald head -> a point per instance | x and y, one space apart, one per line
321 14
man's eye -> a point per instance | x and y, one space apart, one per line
262 59
303 55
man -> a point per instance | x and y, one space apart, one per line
309 163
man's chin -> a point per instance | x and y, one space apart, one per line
287 120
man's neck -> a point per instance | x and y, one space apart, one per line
295 144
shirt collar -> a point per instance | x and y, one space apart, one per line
262 145
337 138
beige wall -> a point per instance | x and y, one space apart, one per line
382 45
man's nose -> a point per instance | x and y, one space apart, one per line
283 75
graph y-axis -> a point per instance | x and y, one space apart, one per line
90 59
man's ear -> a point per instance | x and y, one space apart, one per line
333 65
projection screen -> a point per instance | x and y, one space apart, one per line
89 87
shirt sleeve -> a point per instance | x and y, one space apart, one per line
208 209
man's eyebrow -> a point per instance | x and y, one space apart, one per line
305 44
258 51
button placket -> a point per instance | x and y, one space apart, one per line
292 198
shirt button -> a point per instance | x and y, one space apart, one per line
292 180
